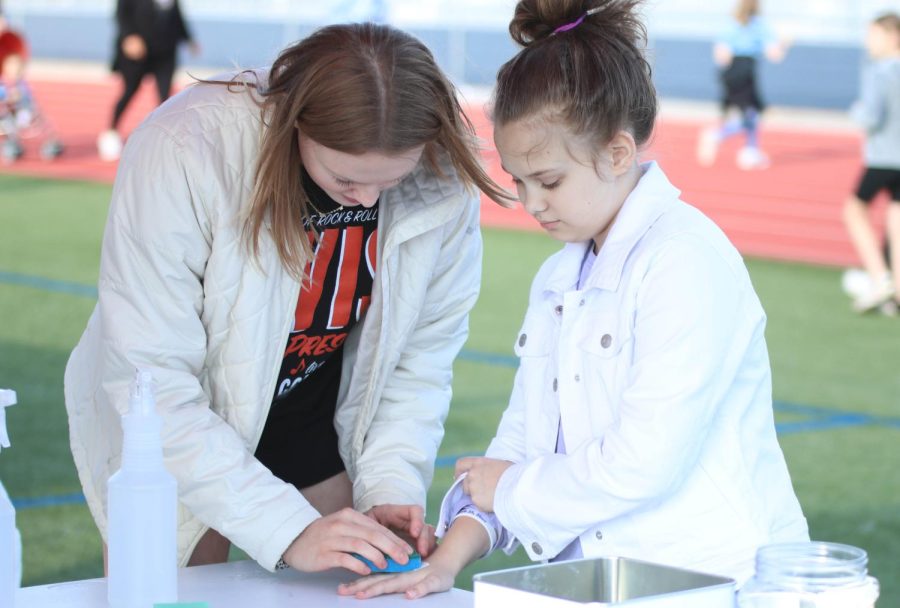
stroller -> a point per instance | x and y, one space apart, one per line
20 116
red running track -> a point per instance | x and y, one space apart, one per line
791 211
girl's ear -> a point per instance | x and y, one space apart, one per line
622 152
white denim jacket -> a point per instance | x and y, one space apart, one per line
657 371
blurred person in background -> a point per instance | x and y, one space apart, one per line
878 112
13 56
15 94
20 116
13 53
148 35
293 254
746 40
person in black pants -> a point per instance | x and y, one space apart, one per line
747 39
149 32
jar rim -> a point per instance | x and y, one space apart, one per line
847 554
812 564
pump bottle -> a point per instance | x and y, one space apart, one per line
10 541
142 507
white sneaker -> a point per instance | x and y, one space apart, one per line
855 282
707 147
880 293
889 308
109 145
751 159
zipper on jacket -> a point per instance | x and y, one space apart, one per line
391 247
285 331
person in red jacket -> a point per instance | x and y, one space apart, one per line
13 52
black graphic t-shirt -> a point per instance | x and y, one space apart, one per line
299 443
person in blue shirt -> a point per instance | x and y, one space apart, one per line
737 51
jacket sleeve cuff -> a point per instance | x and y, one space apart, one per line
392 494
451 504
515 519
284 534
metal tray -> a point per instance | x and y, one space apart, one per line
606 581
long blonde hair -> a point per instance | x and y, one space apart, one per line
354 88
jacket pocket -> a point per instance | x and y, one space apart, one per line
535 338
606 336
605 350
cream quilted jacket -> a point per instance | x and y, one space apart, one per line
179 296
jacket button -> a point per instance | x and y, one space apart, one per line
555 385
598 535
522 339
536 548
581 303
558 310
606 340
577 378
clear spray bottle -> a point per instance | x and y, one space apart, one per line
143 502
10 541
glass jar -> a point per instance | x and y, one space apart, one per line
810 575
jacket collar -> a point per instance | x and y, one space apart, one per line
421 202
653 196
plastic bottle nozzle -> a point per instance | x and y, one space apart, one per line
142 393
148 406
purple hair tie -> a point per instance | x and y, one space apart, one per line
576 23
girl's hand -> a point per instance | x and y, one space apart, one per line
483 475
329 541
433 577
408 521
722 55
463 543
134 47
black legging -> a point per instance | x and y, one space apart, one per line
161 66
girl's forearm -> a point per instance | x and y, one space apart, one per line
465 541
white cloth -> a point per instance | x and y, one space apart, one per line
179 296
658 372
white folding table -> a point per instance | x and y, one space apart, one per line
242 584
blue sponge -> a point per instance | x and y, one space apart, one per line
414 563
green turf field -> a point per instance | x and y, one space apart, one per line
843 367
